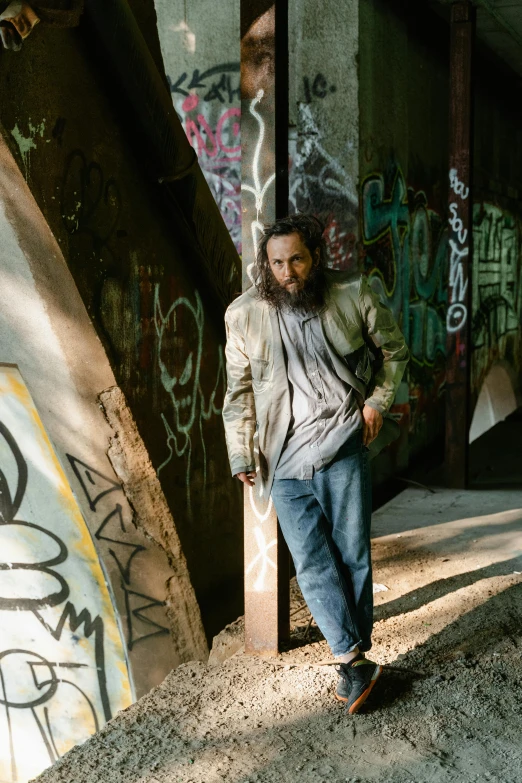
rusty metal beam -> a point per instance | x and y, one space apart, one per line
458 345
264 139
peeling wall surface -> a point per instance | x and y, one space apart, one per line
132 260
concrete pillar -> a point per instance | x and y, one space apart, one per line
324 120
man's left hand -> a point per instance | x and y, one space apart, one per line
372 423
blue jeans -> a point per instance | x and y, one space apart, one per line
326 524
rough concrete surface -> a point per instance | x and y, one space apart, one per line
447 707
130 460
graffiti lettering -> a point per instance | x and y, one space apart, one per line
123 546
62 670
457 186
457 314
405 245
214 132
457 225
408 242
217 89
91 204
497 293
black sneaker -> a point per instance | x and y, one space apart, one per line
356 680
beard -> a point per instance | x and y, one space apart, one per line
310 297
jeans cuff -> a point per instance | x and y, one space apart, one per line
349 650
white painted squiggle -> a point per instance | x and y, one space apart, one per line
263 558
261 517
258 191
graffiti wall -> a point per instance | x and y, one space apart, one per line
139 574
417 273
207 101
63 670
497 296
321 182
405 247
324 121
189 409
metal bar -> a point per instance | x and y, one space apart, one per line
458 345
264 139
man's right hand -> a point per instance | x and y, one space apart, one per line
247 478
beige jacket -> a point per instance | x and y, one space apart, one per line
258 399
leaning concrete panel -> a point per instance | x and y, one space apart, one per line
134 262
46 332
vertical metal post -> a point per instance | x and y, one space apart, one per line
460 215
264 171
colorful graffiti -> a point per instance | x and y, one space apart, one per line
497 300
63 670
415 263
406 247
496 290
183 321
321 183
214 130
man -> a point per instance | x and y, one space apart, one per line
299 352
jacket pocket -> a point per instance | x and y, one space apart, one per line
359 363
261 374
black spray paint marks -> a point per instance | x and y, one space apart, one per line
114 532
35 676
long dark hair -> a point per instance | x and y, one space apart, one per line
311 230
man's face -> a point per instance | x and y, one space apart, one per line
290 261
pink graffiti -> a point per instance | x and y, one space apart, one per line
208 142
340 244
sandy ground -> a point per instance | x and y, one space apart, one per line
448 706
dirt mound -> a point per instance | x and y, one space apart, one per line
452 713
447 708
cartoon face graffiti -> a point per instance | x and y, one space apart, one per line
180 360
180 349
